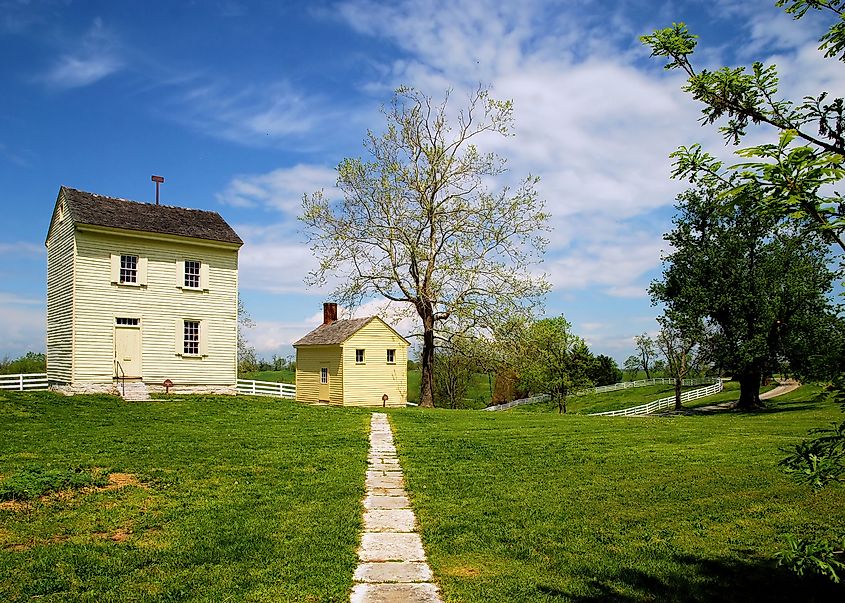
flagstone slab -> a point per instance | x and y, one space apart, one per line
381 501
389 520
381 481
393 571
391 546
423 592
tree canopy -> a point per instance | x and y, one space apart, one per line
418 224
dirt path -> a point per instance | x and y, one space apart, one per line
783 388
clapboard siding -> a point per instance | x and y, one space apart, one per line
365 384
60 271
309 360
158 305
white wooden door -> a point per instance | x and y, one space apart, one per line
127 351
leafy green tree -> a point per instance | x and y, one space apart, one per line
632 366
604 371
554 360
418 225
31 362
758 281
455 367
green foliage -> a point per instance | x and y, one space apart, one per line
761 285
34 481
809 156
646 352
30 362
813 555
820 460
632 366
604 371
554 361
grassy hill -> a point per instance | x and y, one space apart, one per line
615 400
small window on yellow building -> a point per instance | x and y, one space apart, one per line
324 375
359 356
391 356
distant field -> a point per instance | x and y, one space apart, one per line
538 509
284 376
623 398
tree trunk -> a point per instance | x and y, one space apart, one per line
749 388
678 383
427 381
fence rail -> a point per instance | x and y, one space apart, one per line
602 389
250 387
24 382
662 403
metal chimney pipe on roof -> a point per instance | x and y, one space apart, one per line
158 180
329 313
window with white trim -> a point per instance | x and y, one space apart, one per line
128 269
192 338
192 274
359 356
391 356
324 375
126 322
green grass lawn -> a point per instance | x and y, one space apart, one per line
229 499
539 508
615 400
729 393
283 376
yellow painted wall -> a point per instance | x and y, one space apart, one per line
364 384
309 360
60 269
161 306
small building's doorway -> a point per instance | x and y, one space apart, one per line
324 384
127 348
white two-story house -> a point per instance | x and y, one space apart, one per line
140 293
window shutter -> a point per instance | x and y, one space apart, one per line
203 338
115 268
204 276
179 340
142 271
180 273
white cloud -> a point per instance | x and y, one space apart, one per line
93 58
17 300
22 326
280 189
22 248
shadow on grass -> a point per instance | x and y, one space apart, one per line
711 580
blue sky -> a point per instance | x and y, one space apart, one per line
245 106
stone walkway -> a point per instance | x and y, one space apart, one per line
392 566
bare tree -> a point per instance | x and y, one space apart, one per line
417 224
646 352
679 345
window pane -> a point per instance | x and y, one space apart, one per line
129 269
324 375
359 355
192 337
391 355
192 274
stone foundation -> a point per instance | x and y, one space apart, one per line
71 389
226 390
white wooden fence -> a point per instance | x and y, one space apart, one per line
640 383
24 381
663 403
266 388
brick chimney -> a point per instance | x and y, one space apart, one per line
329 313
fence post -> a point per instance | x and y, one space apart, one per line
21 382
253 387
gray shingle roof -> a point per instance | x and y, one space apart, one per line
334 333
98 210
